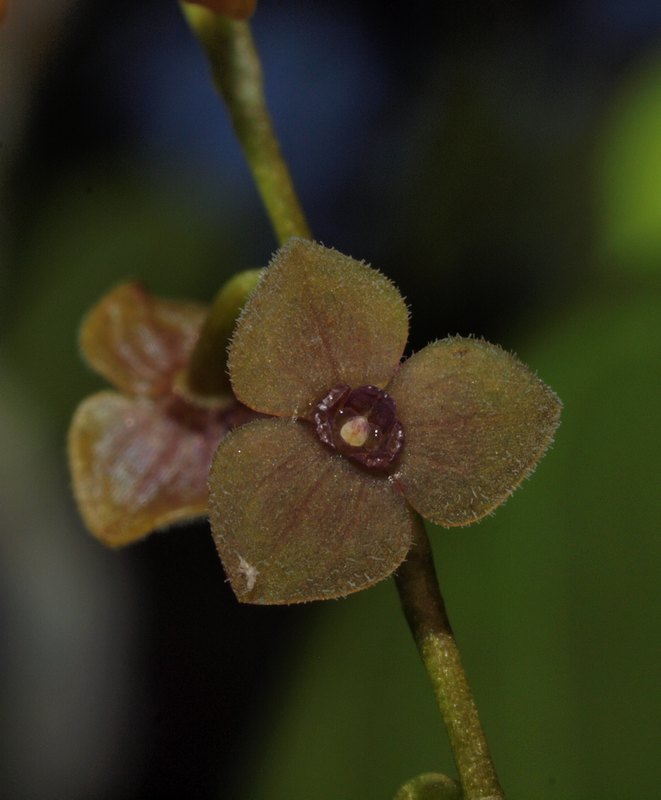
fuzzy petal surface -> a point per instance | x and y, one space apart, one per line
476 422
317 319
294 522
139 342
138 466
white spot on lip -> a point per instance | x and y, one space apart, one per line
249 572
355 431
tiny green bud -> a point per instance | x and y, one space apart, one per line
429 786
234 9
207 369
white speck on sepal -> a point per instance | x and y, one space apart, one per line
249 572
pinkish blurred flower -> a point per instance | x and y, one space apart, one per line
139 457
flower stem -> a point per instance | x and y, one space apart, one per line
426 615
237 74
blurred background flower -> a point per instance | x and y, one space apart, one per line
503 167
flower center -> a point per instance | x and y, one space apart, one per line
361 424
355 431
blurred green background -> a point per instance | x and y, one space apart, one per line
504 167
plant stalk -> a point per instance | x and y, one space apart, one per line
237 74
425 612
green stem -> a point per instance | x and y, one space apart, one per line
425 612
237 74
